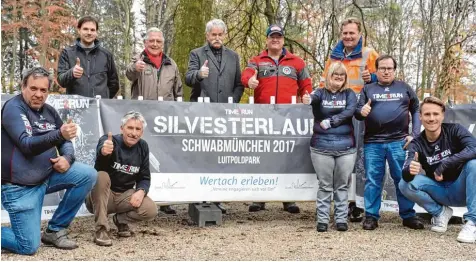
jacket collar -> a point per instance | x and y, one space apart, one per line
284 55
338 51
96 43
146 59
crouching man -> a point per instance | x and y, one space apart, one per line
447 155
38 159
122 162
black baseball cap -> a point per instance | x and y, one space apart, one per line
274 29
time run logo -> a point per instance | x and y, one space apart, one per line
72 103
128 169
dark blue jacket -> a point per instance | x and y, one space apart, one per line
29 139
339 108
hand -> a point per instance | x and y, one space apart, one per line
137 197
108 145
253 82
438 177
366 75
204 70
77 69
366 109
415 166
325 124
68 130
306 98
60 164
408 139
140 64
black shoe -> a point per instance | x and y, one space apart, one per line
321 227
255 207
342 227
370 223
122 229
291 208
413 223
168 210
221 207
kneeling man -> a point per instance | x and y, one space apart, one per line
122 162
447 155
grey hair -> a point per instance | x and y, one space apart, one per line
215 23
133 115
153 30
35 72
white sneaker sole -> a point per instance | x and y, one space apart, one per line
439 229
465 240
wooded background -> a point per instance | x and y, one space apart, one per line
434 41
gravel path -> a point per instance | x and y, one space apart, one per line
266 235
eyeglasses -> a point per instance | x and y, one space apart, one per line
388 69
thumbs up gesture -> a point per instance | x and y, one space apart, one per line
140 64
77 69
204 70
68 130
366 109
306 98
253 82
415 165
366 75
108 145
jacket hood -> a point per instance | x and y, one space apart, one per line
96 43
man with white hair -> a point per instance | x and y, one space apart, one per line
153 74
122 162
213 69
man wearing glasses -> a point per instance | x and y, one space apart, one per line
153 74
385 107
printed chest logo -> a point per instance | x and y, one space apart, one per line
388 97
387 89
45 126
28 128
128 169
437 158
333 103
286 70
437 148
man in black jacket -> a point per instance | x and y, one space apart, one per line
86 68
447 154
123 180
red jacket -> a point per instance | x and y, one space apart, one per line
290 77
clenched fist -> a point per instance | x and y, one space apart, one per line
107 146
68 130
366 109
77 69
253 82
204 70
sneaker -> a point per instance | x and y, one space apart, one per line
321 227
168 210
58 239
467 233
291 208
440 223
342 226
413 223
102 238
122 229
221 207
256 206
370 223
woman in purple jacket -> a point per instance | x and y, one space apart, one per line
333 148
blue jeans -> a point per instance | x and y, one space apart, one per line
24 205
431 194
376 154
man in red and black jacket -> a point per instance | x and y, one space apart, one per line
276 72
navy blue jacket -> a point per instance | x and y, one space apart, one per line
126 166
29 139
446 156
339 108
388 120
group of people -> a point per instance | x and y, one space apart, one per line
435 169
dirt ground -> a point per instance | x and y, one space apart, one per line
267 235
